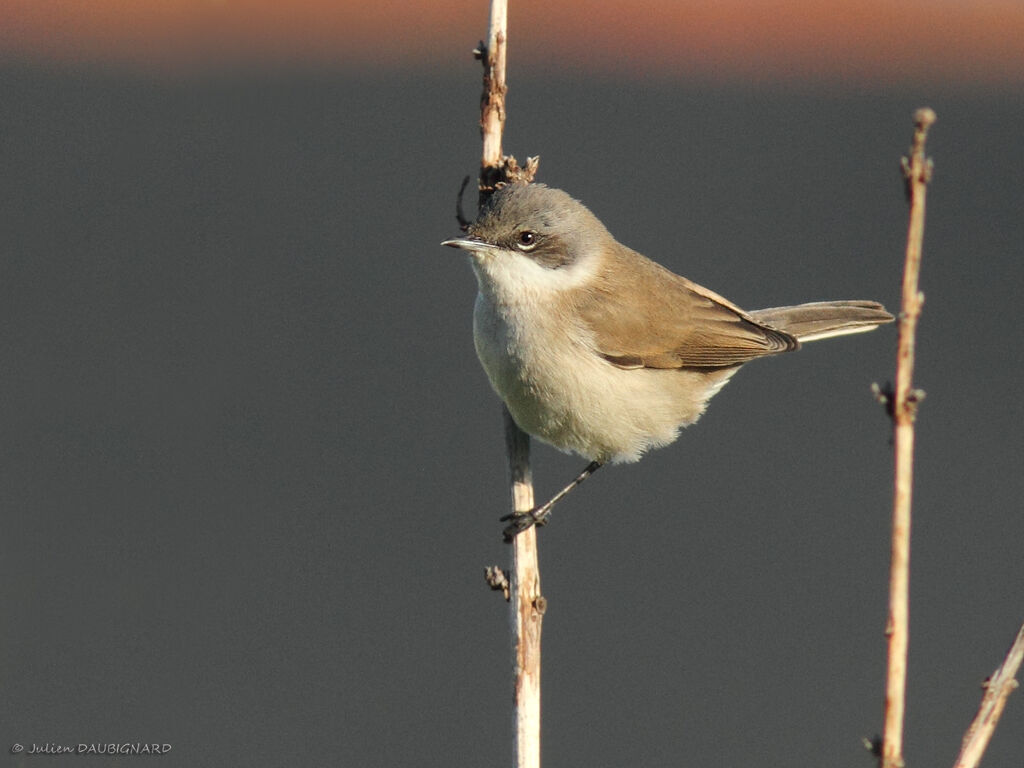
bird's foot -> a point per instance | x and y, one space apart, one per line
521 521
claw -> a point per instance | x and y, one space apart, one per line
520 522
524 520
539 515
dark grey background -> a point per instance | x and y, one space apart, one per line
252 472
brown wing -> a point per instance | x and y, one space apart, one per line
662 320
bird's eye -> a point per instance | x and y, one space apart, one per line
526 240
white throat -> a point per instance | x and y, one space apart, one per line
510 278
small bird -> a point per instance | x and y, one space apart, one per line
596 349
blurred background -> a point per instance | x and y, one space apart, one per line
252 472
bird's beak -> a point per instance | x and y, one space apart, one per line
473 244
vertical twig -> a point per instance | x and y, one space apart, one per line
903 407
997 688
492 101
527 605
526 601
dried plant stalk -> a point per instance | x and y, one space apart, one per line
903 407
527 605
997 688
525 599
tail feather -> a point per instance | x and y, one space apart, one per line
824 319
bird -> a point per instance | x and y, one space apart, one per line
596 349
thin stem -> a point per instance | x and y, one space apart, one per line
493 115
492 102
904 406
997 688
526 602
527 605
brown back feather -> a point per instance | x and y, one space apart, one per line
679 323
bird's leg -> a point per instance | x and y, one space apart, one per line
539 515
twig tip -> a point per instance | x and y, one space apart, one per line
925 117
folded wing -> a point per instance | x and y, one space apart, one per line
658 319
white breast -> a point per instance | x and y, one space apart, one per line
559 389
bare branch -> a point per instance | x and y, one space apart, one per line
903 408
527 603
492 102
495 167
997 688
